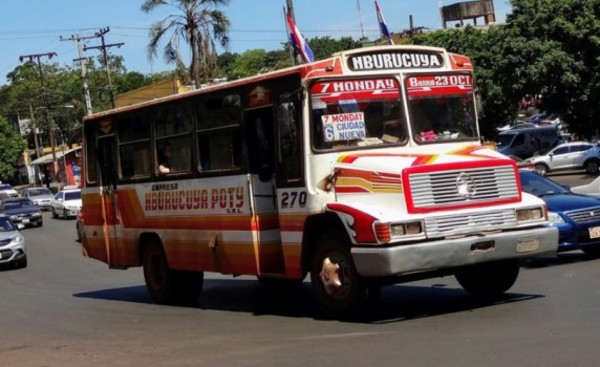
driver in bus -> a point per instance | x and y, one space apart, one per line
165 154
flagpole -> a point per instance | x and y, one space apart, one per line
287 36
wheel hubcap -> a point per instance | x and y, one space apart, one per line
335 277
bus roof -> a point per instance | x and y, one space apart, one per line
350 62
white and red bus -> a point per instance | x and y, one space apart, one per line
361 170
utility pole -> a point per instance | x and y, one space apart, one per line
82 63
49 120
38 151
103 47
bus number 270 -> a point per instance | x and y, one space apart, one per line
292 199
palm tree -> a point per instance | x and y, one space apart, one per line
199 24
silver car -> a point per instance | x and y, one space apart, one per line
12 245
572 155
41 196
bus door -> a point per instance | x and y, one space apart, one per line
260 134
107 148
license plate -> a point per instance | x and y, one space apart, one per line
594 232
528 244
25 220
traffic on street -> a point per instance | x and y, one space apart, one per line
65 309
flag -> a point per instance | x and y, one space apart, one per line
298 41
385 32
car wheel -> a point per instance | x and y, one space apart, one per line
591 166
540 168
65 216
54 215
488 280
167 286
339 289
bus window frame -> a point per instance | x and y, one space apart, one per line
403 114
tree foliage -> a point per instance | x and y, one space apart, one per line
11 147
552 48
199 24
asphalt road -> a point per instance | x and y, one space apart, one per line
67 310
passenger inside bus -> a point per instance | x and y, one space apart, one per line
164 155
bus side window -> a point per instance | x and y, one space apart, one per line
174 128
134 142
289 142
218 134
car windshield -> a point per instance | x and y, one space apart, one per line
5 187
6 225
538 185
16 204
38 192
72 195
504 140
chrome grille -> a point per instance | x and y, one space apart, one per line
585 215
470 223
440 188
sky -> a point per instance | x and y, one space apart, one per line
30 27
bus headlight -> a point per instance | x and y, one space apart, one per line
530 214
386 231
403 229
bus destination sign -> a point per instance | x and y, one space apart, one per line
395 59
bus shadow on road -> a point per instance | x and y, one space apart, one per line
396 303
562 258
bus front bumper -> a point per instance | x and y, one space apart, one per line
449 253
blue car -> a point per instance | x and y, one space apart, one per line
576 216
22 212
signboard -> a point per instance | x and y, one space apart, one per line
395 59
451 84
354 89
344 126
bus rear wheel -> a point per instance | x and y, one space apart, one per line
489 280
166 286
339 290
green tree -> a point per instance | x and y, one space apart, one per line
12 146
324 47
552 48
484 48
199 24
247 64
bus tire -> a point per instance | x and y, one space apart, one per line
166 286
489 280
339 290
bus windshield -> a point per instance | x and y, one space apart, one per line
352 113
441 108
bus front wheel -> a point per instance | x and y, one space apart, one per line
339 290
489 280
166 286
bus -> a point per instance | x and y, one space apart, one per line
360 171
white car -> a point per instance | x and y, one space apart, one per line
66 203
572 155
12 244
8 190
